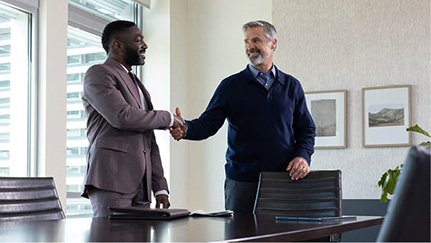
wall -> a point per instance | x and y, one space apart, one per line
156 71
352 44
206 46
51 128
179 96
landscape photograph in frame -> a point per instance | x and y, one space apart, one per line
386 115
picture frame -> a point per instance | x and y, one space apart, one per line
329 111
386 114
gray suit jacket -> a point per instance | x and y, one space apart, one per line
122 146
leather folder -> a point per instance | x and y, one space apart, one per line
147 213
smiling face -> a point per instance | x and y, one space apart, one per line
132 46
258 48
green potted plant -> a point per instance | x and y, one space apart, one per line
389 179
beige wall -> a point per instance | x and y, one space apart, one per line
352 44
179 95
156 71
52 93
206 46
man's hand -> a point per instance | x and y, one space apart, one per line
298 168
178 120
178 130
162 199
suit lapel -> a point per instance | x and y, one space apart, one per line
125 78
146 94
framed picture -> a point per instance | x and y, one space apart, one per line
329 110
386 115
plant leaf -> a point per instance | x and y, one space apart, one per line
426 144
384 197
388 182
382 179
390 185
418 129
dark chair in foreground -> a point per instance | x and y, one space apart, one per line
29 198
408 214
316 195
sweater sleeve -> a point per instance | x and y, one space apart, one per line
304 128
212 119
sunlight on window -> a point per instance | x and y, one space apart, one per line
83 51
14 91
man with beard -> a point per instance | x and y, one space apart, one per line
123 157
270 128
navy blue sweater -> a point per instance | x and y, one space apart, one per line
267 129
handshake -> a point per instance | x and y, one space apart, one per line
178 130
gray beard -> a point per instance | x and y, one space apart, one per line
256 61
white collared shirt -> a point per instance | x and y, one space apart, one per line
143 101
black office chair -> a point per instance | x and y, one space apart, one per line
316 195
29 199
408 214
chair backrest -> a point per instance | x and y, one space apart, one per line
408 214
29 198
316 195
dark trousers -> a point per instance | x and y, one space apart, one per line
239 196
101 200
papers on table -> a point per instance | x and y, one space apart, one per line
201 212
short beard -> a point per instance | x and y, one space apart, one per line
133 57
255 61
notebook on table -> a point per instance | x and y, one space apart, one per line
161 213
147 213
321 219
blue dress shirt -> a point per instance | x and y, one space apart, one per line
266 79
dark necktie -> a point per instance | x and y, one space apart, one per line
136 84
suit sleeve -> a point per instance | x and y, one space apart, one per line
158 180
111 99
304 128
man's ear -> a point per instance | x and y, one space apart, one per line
117 46
274 44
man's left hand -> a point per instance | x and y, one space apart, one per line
298 168
162 199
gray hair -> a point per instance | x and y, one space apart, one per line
270 32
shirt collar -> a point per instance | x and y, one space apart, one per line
256 72
125 69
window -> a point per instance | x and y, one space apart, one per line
86 22
16 80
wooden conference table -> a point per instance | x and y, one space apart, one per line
240 227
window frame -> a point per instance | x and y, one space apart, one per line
32 8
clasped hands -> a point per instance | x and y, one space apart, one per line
178 130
